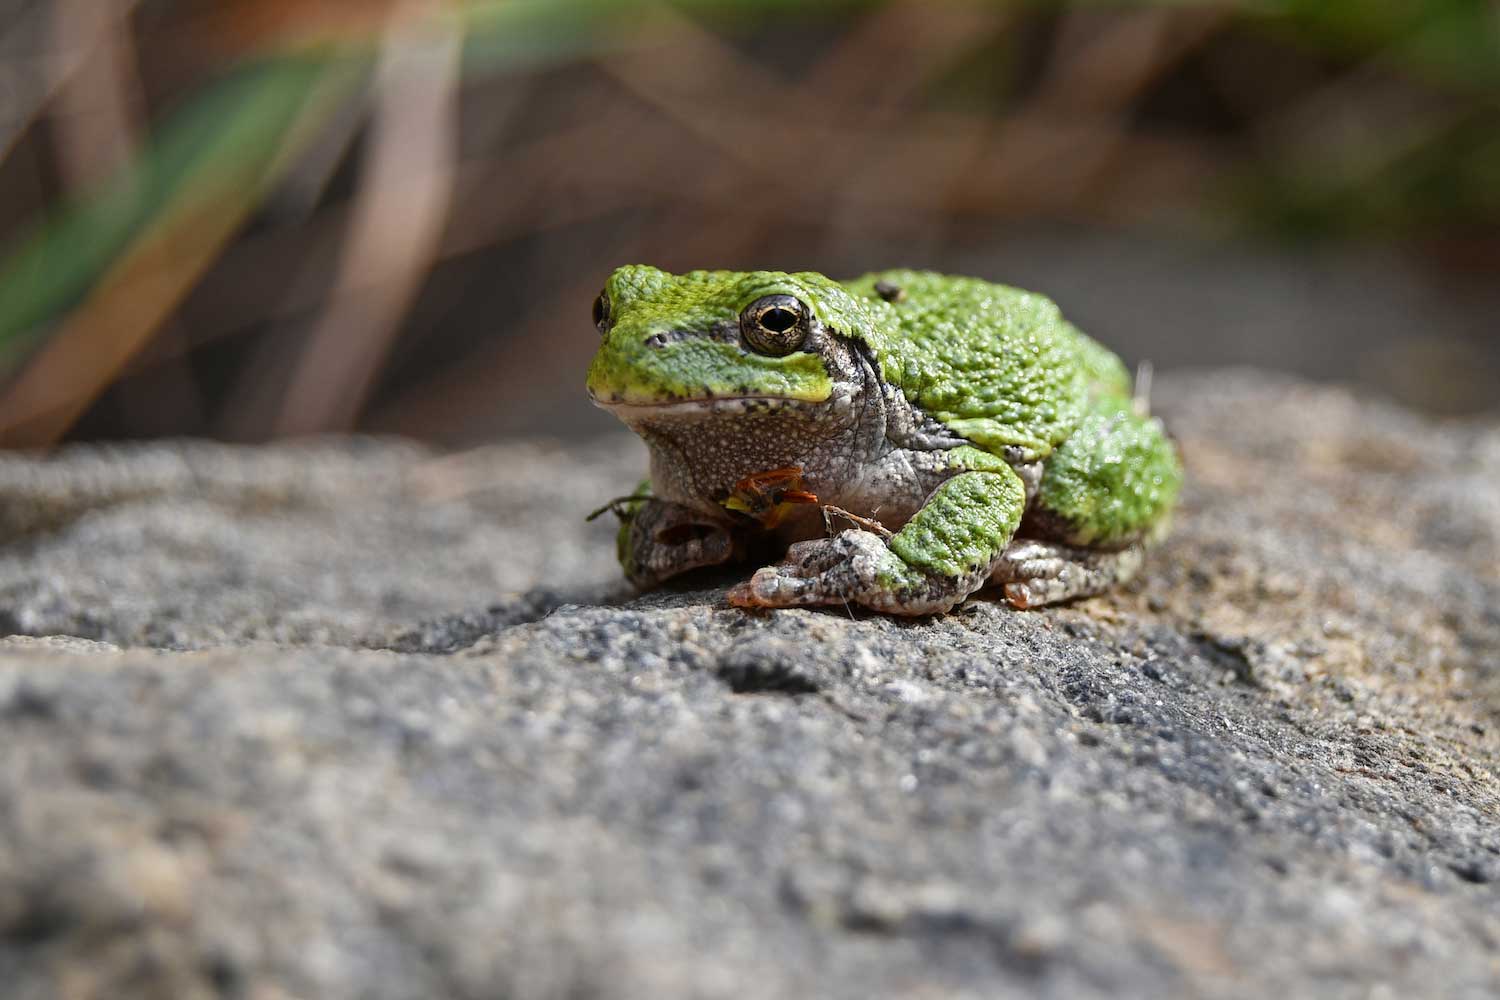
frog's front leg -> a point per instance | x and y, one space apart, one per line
659 540
942 555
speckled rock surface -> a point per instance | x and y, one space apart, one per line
352 720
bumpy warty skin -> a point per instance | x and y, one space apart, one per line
996 365
898 382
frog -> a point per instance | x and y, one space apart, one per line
973 436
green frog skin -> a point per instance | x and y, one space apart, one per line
996 441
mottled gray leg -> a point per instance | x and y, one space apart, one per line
853 567
1037 573
661 540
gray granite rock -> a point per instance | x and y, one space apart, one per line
349 719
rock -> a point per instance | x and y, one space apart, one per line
351 719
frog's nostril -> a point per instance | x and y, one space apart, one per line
657 340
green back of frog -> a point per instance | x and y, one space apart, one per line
997 365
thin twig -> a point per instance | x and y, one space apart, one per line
398 221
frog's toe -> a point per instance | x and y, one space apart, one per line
772 587
1030 594
825 571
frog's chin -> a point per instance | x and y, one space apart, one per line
690 409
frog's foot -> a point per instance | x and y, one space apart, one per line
1036 573
663 539
853 567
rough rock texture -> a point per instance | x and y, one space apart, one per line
352 720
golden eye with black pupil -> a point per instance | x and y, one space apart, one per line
775 324
601 312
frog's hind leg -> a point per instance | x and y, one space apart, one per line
1106 492
1035 573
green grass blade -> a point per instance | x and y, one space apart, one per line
227 137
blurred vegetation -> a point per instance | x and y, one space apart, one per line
248 201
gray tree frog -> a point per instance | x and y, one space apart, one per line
971 434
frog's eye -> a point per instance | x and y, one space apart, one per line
775 324
601 312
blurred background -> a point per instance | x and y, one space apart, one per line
246 219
